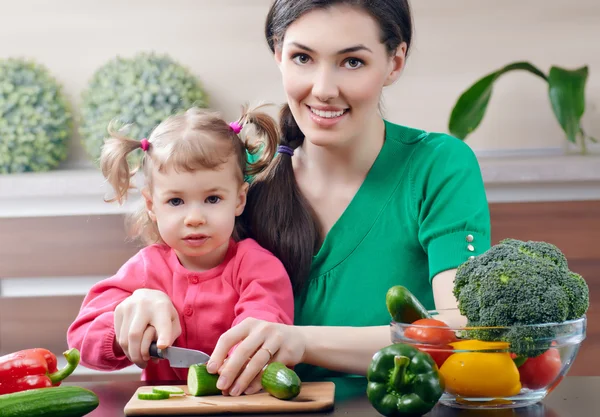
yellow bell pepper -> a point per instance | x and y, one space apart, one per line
480 374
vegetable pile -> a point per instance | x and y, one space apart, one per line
277 379
512 296
30 386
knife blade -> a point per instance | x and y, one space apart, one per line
179 357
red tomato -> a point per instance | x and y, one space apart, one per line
435 339
541 371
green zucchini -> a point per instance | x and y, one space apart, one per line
403 306
200 382
62 401
280 381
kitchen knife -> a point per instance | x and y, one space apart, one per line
179 357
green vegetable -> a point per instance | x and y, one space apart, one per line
519 283
167 389
200 382
403 306
35 118
63 401
403 381
153 395
280 381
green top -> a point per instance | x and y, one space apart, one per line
410 220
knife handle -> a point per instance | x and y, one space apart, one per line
155 351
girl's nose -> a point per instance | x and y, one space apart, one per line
194 218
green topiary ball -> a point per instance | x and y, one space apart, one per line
139 92
35 119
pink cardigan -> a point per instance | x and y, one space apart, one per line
250 282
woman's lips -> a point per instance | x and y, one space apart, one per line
327 117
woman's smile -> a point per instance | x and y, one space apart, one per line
327 117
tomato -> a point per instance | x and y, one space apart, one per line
434 336
541 371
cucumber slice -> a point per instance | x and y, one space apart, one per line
200 382
168 390
153 395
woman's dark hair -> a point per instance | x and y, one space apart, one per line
277 215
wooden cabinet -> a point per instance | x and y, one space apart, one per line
80 249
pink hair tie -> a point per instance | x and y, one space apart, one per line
144 144
236 127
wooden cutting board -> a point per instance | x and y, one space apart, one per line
313 397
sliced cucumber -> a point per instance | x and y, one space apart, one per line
280 381
200 382
153 395
167 389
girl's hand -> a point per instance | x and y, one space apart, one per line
140 319
258 343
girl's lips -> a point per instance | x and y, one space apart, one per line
195 241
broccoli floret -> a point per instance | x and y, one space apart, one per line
544 250
529 341
578 293
519 283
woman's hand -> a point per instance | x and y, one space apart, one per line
140 319
258 343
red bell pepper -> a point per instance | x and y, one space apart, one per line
34 368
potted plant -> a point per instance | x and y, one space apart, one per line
35 119
137 92
566 91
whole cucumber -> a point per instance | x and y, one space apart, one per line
62 401
403 306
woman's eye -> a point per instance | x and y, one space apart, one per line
213 199
175 202
353 63
301 59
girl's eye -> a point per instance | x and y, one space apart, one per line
213 199
301 59
175 202
353 63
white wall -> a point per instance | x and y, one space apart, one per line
456 42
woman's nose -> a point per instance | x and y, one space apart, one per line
325 86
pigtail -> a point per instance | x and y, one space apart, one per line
278 216
268 138
114 164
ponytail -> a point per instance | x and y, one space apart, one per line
278 216
114 164
268 138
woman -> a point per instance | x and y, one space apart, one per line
354 205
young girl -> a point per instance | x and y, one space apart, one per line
194 165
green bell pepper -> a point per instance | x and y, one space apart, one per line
403 381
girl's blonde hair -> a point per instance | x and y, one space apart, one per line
196 139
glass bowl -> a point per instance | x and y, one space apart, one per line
495 367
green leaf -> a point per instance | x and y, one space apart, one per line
567 95
470 108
